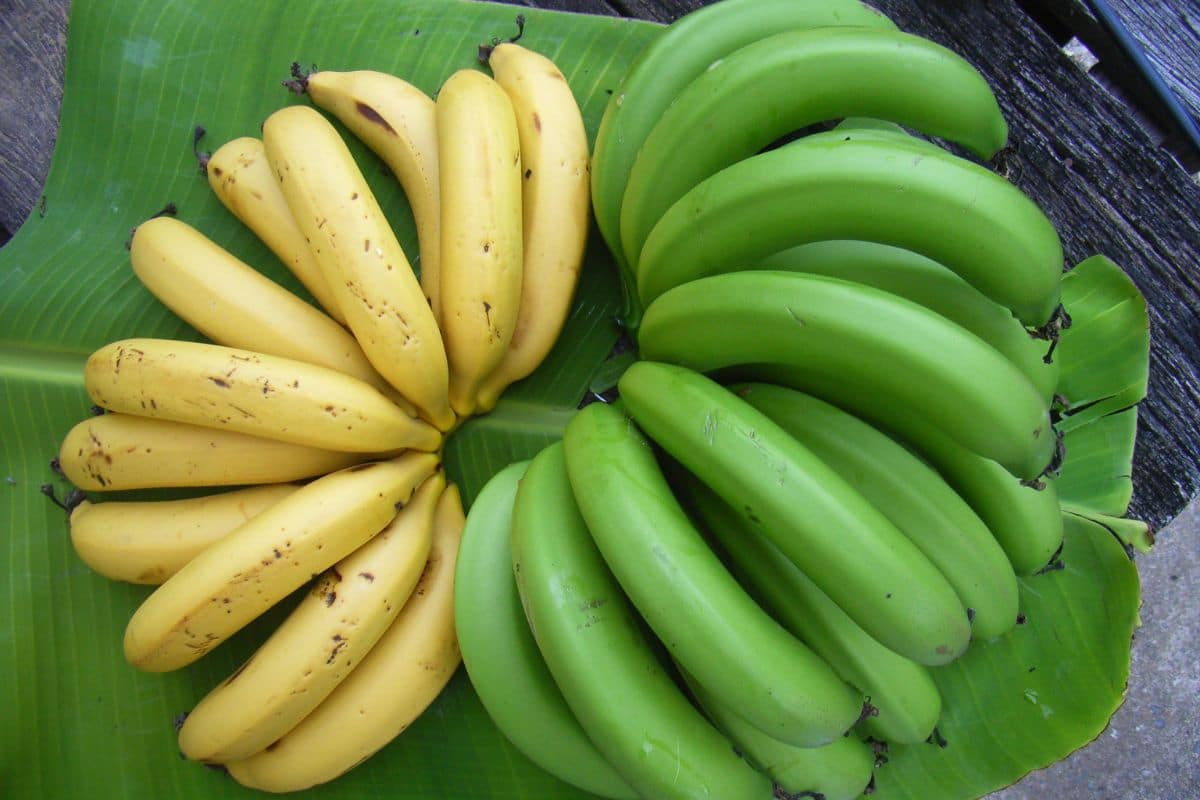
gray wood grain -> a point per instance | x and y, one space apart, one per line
34 35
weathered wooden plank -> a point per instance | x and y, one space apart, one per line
1168 33
34 34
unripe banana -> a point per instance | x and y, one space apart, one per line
600 658
114 452
910 493
791 80
248 392
841 541
925 282
840 770
862 349
234 305
241 179
1025 519
322 640
360 257
906 700
502 658
954 211
687 597
396 120
554 201
482 250
149 541
668 64
404 672
238 578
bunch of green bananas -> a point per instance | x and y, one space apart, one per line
354 401
837 452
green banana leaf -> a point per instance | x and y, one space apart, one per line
1103 352
80 722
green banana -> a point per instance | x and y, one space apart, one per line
872 188
687 597
1023 516
684 50
840 770
1026 520
502 658
863 349
901 690
910 493
789 81
917 278
854 553
590 638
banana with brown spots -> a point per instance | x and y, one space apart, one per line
327 635
482 248
555 200
248 392
234 581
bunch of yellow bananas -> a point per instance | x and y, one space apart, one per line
358 398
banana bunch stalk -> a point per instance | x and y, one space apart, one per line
326 422
836 454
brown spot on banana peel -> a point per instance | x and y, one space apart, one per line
369 113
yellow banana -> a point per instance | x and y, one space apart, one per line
321 641
555 200
360 257
233 304
396 120
479 155
405 671
114 452
249 392
149 541
238 578
241 178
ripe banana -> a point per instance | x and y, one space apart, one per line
360 257
554 202
234 305
404 672
241 179
902 691
149 541
861 349
248 392
482 250
925 282
840 770
592 641
845 544
396 120
502 658
910 493
706 620
239 577
954 211
114 452
322 640
664 68
789 81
